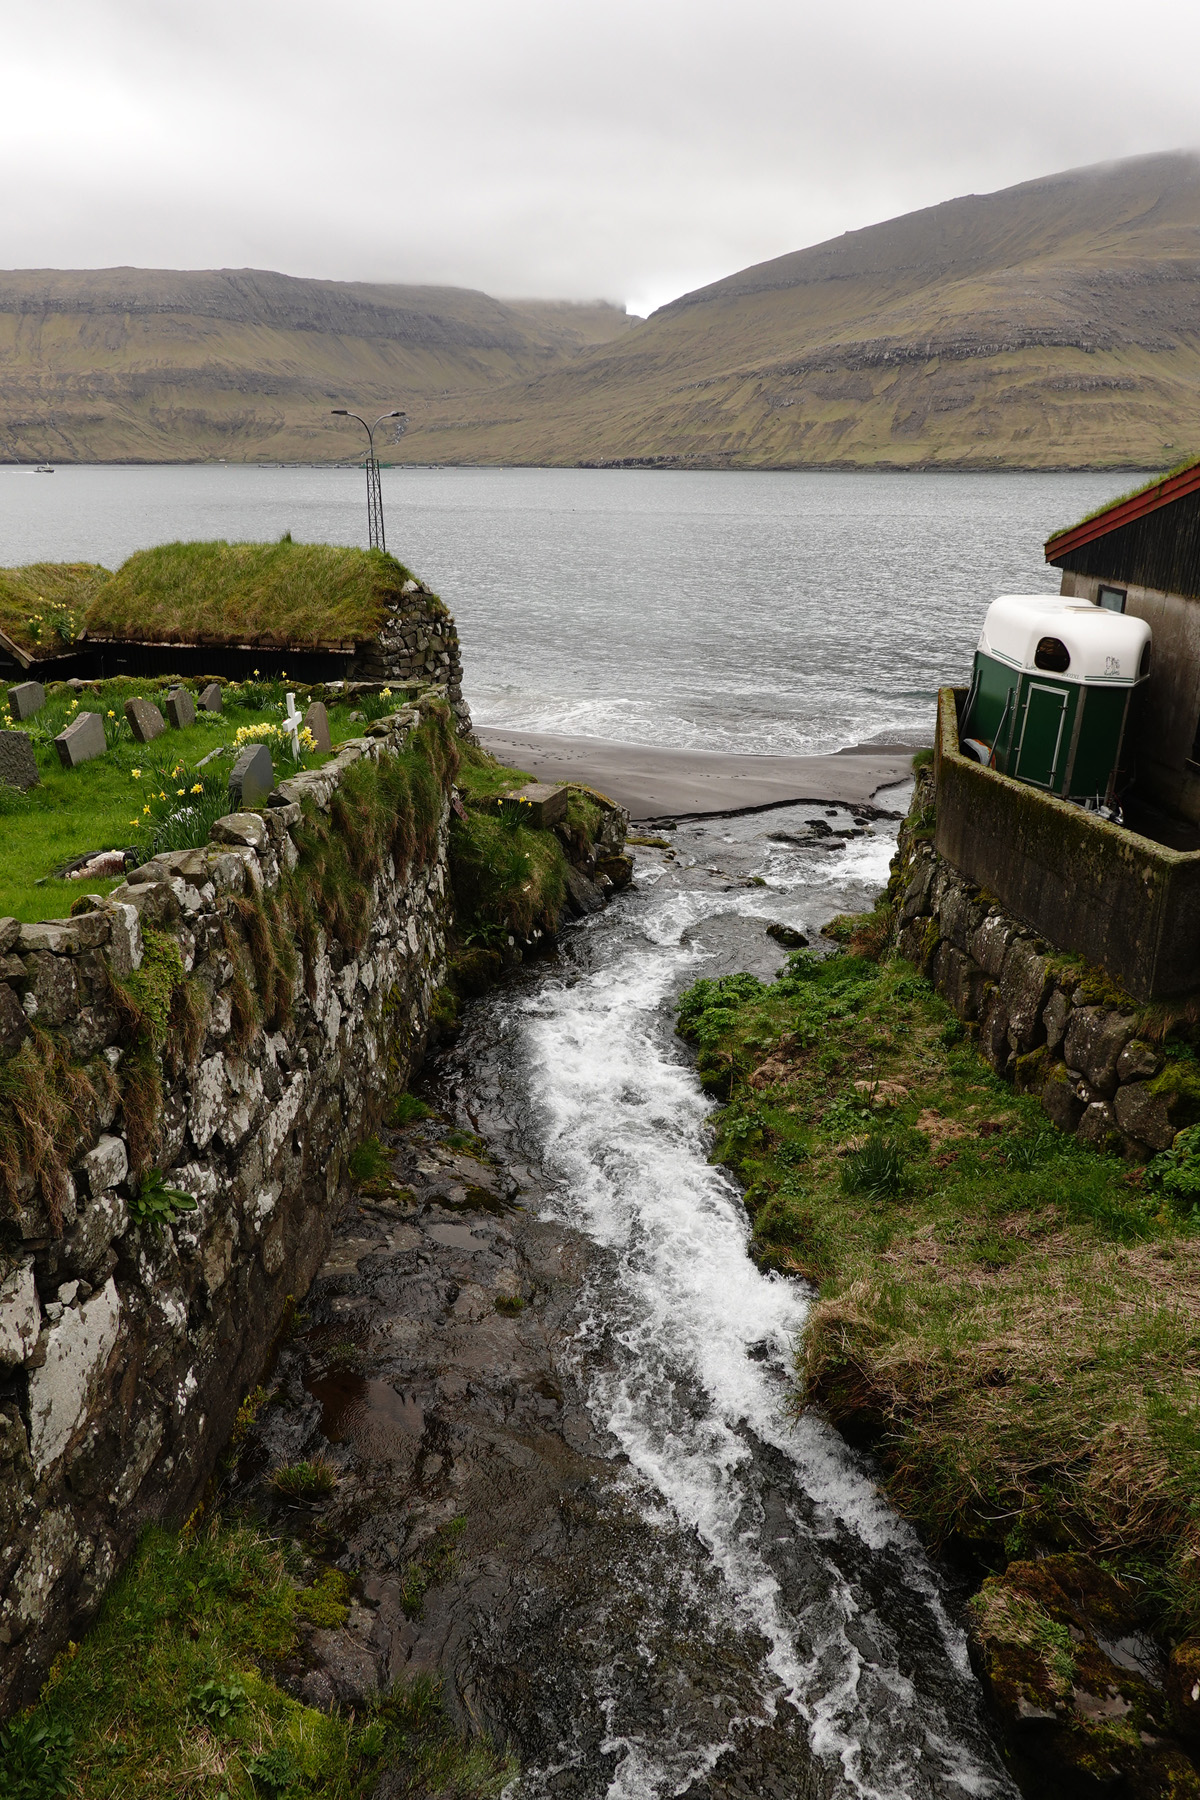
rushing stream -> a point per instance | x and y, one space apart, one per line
847 1673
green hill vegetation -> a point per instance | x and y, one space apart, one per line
1053 324
153 365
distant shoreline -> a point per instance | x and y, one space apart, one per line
628 465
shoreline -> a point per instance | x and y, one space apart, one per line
655 782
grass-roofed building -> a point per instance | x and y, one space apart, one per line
43 611
319 611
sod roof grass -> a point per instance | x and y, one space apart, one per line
42 588
290 595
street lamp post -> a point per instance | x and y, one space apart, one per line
374 493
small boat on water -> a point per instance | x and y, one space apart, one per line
43 469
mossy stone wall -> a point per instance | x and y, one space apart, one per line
232 1018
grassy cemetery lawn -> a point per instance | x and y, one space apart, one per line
145 798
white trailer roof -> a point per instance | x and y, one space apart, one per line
1103 646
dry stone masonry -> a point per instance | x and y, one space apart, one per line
417 642
1043 1021
126 1346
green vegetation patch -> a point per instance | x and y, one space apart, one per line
1010 1318
173 1691
285 594
142 798
44 606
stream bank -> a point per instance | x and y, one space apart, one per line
593 1514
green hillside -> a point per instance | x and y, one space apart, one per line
152 365
1052 324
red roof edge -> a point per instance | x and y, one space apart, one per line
1123 512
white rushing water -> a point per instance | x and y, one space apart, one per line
694 1380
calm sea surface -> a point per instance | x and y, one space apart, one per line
767 612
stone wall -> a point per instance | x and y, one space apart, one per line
126 1347
1046 1022
1088 886
419 642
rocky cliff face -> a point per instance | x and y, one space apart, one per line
247 1050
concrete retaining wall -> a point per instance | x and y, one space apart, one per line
1043 1022
1089 887
125 1349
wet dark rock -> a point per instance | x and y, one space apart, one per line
583 896
1077 1683
787 935
483 1520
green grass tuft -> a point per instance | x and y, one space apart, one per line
305 1480
172 1693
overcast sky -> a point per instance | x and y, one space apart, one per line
629 149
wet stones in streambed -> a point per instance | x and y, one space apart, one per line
482 1520
1086 1701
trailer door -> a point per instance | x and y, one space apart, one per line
1041 744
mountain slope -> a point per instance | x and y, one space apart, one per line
163 365
1056 323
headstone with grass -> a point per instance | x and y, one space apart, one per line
541 803
82 740
210 697
181 711
27 698
317 720
252 777
145 720
18 764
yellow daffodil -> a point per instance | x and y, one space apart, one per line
111 713
181 790
146 808
136 773
197 787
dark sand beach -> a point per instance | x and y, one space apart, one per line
657 783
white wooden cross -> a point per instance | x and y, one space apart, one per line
292 723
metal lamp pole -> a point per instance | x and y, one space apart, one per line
374 493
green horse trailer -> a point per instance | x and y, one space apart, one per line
1050 692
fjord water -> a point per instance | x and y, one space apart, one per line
836 1655
761 612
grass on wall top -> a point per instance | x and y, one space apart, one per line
55 591
286 594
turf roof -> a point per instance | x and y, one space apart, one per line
290 595
45 588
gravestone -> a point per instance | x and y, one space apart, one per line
210 697
317 720
145 720
180 710
542 804
81 741
27 698
18 765
252 777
